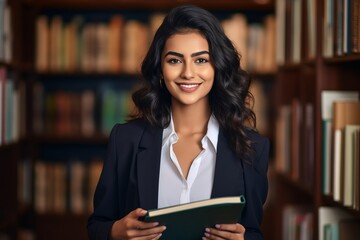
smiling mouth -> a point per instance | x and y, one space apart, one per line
189 86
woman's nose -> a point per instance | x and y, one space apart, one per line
187 71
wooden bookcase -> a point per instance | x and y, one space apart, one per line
20 216
304 80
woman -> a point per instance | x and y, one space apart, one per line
193 137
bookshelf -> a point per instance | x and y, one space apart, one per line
53 147
303 81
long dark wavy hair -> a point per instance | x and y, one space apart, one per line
229 97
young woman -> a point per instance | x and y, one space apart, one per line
193 137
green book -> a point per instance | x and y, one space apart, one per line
188 221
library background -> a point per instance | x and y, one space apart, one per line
67 70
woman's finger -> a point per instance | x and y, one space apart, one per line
235 228
147 232
225 231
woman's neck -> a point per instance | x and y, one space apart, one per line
190 119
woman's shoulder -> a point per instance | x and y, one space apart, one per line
255 136
133 124
131 128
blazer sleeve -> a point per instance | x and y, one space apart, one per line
257 194
105 198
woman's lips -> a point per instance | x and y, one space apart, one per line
189 87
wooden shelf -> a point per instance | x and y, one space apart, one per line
5 64
73 139
233 5
9 146
343 59
290 66
10 65
330 202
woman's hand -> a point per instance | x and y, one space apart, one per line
225 231
129 227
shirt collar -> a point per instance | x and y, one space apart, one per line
212 131
168 131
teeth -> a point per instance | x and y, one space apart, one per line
189 85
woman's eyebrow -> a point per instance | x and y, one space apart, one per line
182 55
175 54
199 53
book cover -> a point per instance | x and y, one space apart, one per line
308 164
188 221
357 170
116 27
349 164
344 112
331 231
42 44
296 132
2 104
339 27
355 18
7 35
331 215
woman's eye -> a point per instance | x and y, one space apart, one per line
174 60
201 60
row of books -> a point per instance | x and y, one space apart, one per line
289 30
297 223
86 112
12 114
294 148
254 41
64 186
120 46
341 27
5 32
89 112
334 223
341 146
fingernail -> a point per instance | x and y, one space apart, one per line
143 211
164 228
217 225
207 235
207 229
203 238
155 223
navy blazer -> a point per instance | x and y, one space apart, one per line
130 177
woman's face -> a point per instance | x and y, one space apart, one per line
187 69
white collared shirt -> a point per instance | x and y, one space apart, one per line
173 187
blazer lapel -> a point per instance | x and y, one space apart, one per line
148 167
229 178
